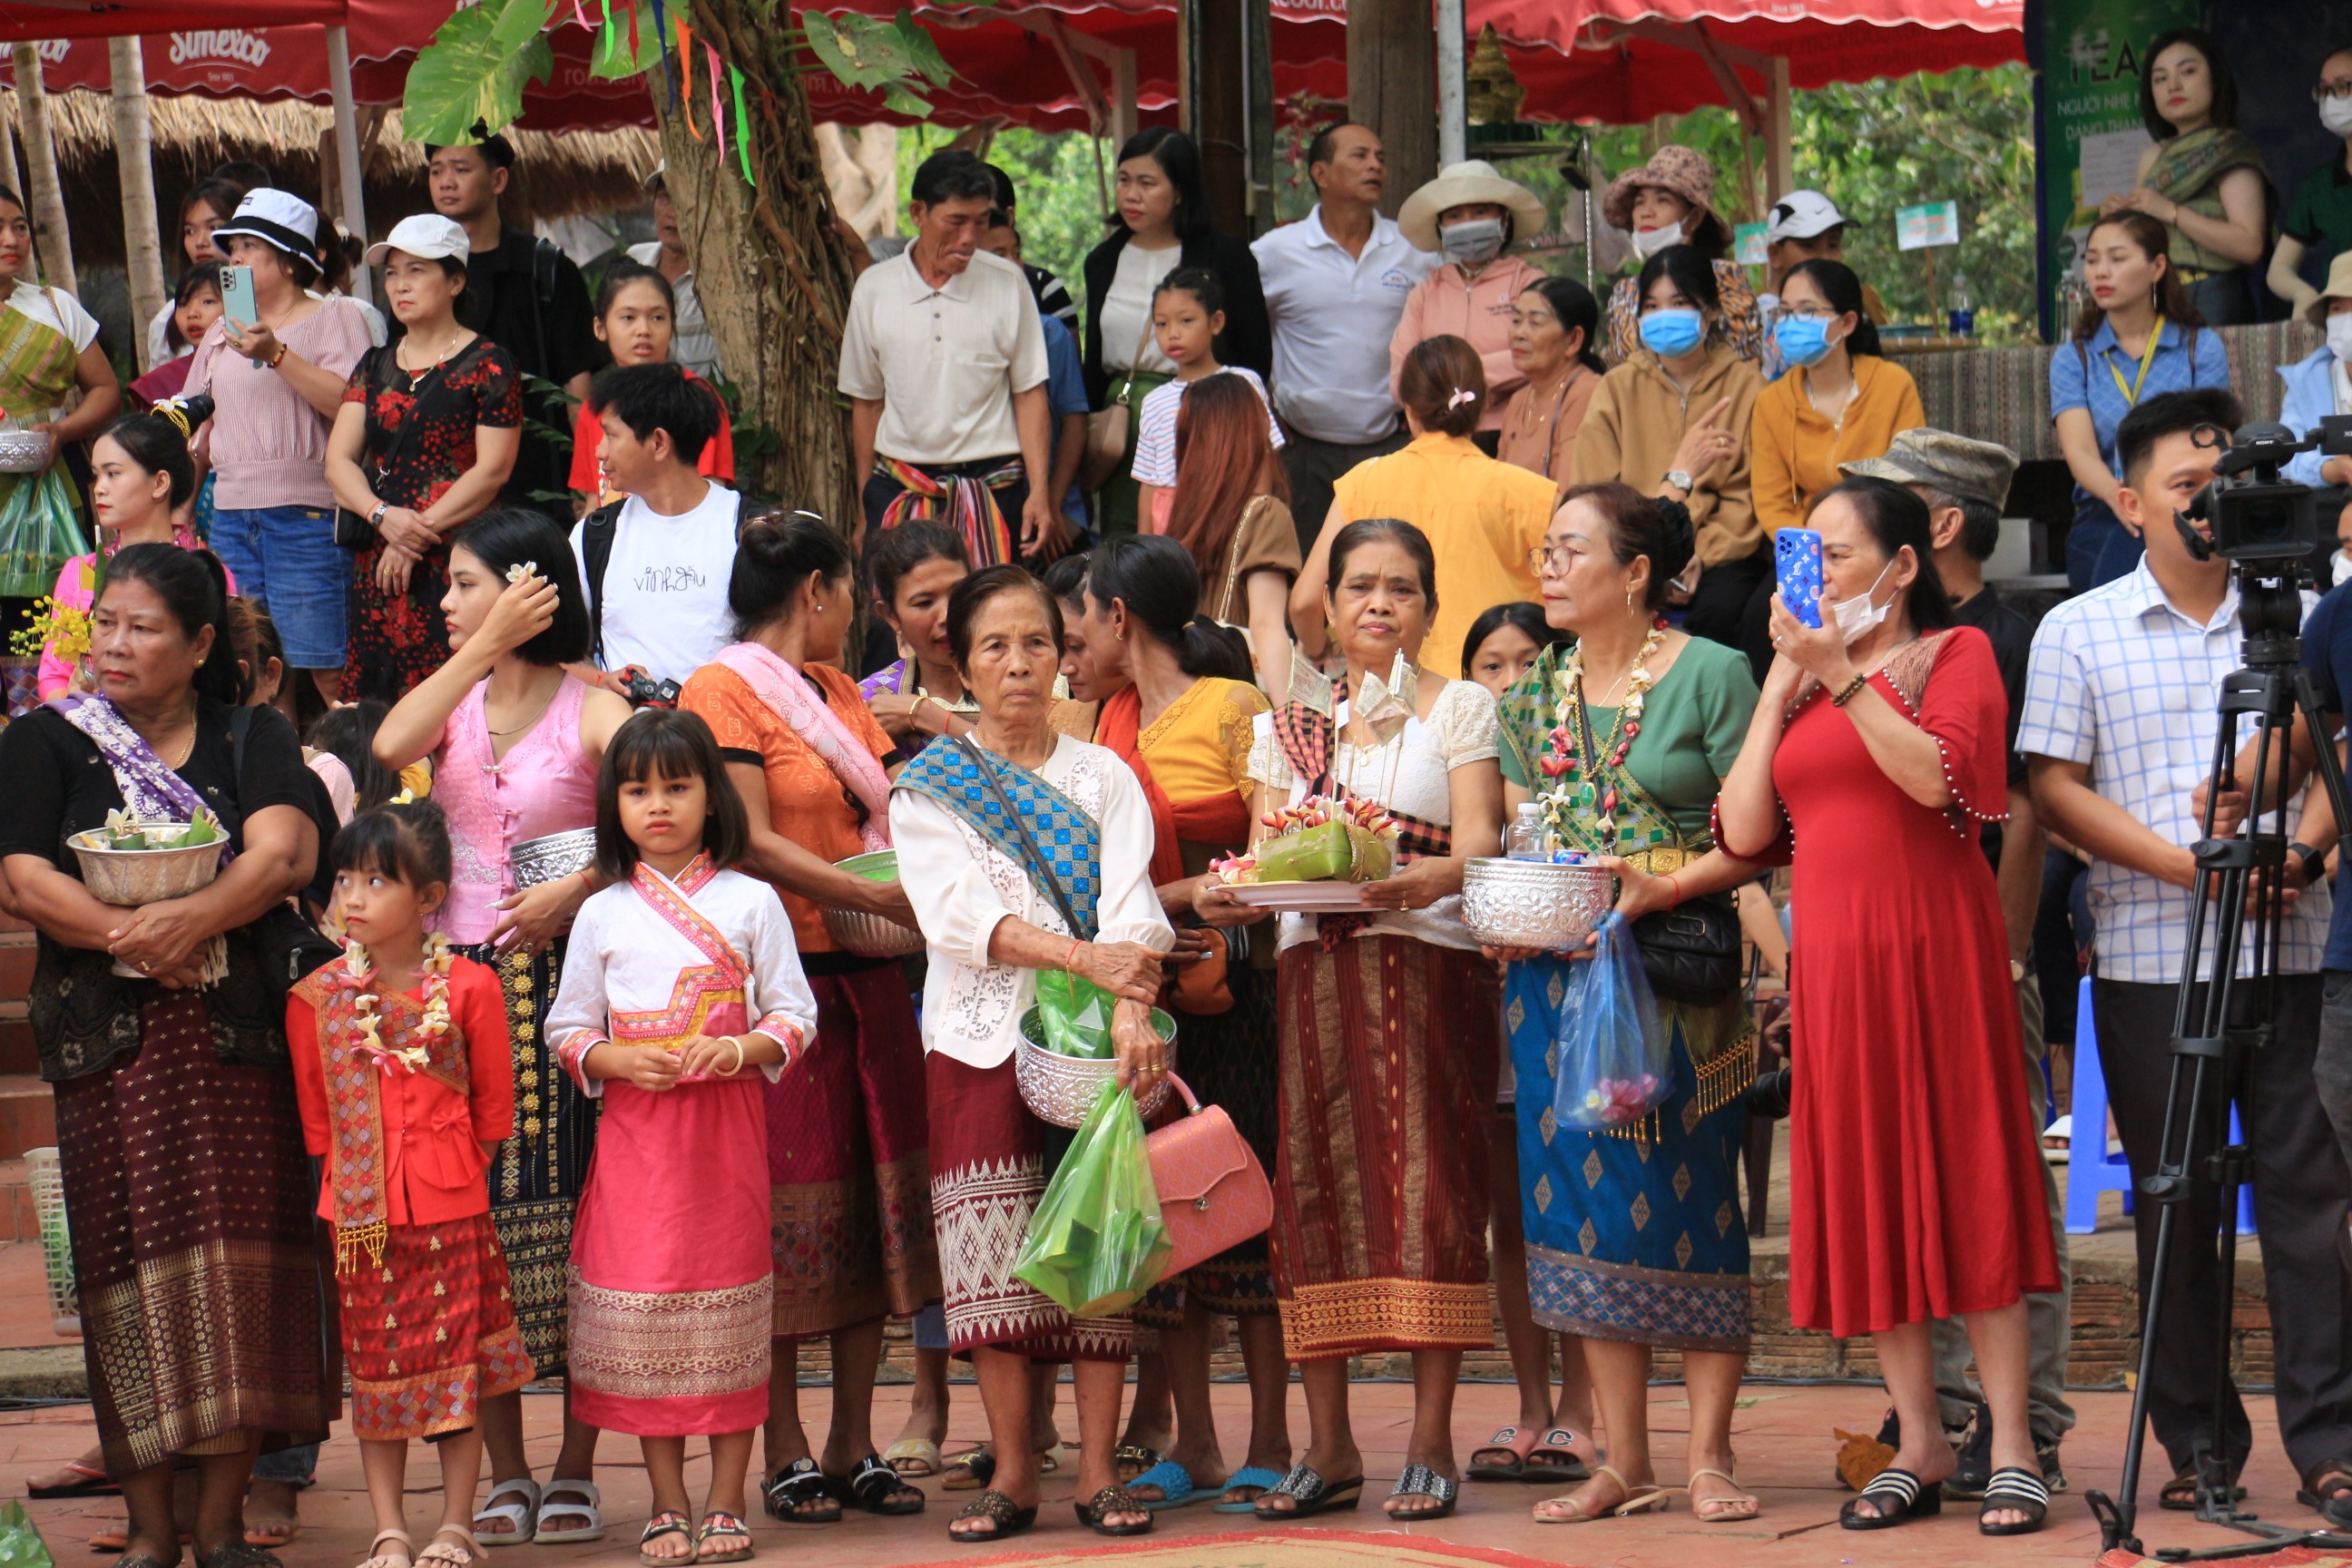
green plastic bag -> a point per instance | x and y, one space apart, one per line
1076 1016
1097 1242
21 1545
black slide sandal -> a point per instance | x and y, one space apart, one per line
1009 1518
1899 1498
2014 1491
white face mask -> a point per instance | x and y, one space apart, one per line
1856 618
2335 113
2339 336
1648 242
2340 568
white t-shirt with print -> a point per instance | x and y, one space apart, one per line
1155 439
665 591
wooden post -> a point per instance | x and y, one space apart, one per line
1780 153
134 158
347 147
1453 109
1228 111
1392 87
51 237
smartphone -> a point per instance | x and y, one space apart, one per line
1797 561
236 296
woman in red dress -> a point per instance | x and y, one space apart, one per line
1914 1191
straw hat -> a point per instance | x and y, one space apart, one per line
1677 169
1461 184
2340 287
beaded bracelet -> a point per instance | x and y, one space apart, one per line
1847 693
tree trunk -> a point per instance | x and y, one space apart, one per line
772 266
861 170
53 239
135 157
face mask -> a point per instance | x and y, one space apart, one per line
1648 242
2335 113
1670 334
1802 339
1858 618
2339 337
1476 240
2339 569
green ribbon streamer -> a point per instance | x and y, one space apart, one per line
742 127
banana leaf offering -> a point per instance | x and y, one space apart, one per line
1320 840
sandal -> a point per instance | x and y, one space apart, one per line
88 1481
1898 1495
975 1467
556 1501
1110 1500
374 1559
800 1493
1172 1482
1008 1516
1309 1494
915 1458
1131 1460
236 1554
521 1518
1645 1498
2321 1488
2013 1490
669 1523
717 1524
1514 1446
1250 1479
876 1487
1418 1480
1722 1506
1554 1462
2178 1495
458 1554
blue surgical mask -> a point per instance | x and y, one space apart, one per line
1670 334
1802 339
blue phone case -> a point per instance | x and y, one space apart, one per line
1797 557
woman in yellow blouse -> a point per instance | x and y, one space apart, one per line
1839 402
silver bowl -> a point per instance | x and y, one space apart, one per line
128 878
26 451
1535 903
553 856
1061 1089
871 935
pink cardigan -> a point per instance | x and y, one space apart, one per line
1478 311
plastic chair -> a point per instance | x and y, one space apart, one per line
2089 1169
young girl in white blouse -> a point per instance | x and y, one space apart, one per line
681 973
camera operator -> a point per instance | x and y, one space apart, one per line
2121 696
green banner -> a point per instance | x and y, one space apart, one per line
2092 137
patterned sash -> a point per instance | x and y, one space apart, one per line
1066 835
964 502
358 1160
669 900
151 792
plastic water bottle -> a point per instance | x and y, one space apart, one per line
1525 839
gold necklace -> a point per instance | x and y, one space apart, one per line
1558 395
443 358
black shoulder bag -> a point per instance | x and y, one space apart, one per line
353 531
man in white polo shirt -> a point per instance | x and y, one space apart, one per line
945 367
1335 285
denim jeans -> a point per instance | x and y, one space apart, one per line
285 559
293 1465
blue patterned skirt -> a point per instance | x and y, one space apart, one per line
1636 1234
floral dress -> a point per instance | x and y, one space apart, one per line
420 438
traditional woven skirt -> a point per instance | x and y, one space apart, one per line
1230 1060
1636 1234
429 1332
988 1171
536 1175
1380 1197
848 1171
190 1206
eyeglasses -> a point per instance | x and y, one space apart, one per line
1780 313
2328 90
1550 558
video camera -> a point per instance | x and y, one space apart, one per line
2256 516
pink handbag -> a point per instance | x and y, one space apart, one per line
1213 1194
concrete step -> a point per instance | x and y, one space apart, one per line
28 1115
20 1219
16 1052
15 965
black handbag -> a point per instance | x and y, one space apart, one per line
1691 953
353 532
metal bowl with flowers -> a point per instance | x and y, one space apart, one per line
131 861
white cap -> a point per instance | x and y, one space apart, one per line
659 178
1800 215
287 222
428 236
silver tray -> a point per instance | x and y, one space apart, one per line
553 856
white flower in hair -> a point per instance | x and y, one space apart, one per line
523 569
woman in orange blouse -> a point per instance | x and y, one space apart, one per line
847 1135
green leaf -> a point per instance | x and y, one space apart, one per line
861 51
518 22
467 79
611 60
899 101
917 40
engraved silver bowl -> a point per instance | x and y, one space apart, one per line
127 879
871 935
553 856
26 451
1535 903
1061 1089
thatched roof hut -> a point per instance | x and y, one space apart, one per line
556 175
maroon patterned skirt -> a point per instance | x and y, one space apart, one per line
430 1331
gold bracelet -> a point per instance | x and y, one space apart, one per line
1847 693
736 1041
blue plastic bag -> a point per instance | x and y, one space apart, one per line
1616 1058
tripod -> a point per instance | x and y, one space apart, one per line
2210 1050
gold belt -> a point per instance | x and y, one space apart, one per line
1661 859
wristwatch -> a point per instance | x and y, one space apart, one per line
2314 862
1680 481
376 517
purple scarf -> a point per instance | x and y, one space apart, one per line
151 792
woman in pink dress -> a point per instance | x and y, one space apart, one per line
515 742
1878 746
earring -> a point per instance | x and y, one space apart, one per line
1629 596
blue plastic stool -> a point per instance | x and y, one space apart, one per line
2089 1169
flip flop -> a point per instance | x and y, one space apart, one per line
1175 1484
88 1482
1265 1480
915 1458
1510 1441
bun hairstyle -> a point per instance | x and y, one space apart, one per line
195 589
258 643
1640 526
1443 386
1154 577
407 841
1839 286
900 550
509 536
775 555
349 735
1897 518
157 440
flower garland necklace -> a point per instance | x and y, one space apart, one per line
357 970
1565 754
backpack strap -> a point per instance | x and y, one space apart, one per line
596 531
